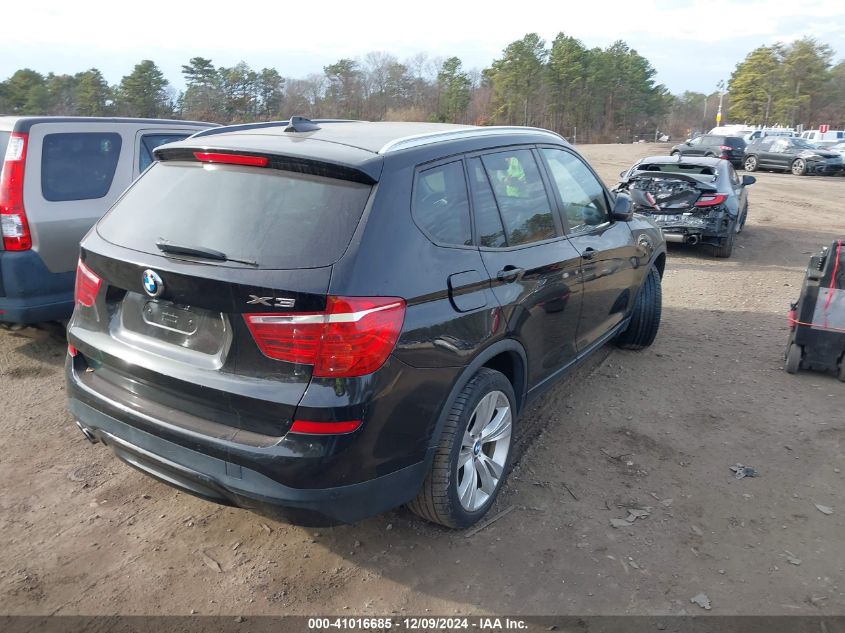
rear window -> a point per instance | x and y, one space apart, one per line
278 219
678 168
734 141
78 166
441 206
4 142
149 142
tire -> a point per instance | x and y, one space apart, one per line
440 500
799 167
645 317
740 221
751 163
793 359
841 374
726 248
709 155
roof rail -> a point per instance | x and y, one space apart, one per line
296 122
416 140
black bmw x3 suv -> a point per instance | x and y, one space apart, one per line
336 318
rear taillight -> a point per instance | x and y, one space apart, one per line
353 337
87 285
711 200
725 148
13 224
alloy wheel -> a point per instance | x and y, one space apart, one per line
798 167
484 450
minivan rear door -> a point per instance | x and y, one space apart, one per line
74 173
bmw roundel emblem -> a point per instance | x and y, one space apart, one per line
153 285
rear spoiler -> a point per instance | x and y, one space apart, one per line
295 164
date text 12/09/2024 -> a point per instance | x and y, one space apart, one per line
427 623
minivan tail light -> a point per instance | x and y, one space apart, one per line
353 337
87 285
232 159
13 223
725 148
711 200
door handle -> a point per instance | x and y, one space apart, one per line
589 253
509 274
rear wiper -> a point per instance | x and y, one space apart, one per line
166 246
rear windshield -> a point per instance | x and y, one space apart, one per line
734 141
278 219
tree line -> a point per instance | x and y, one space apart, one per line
586 94
789 84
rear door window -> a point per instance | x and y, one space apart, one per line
488 221
149 142
277 219
78 165
520 196
441 205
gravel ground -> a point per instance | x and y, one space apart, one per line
654 431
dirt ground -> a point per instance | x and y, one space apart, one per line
655 430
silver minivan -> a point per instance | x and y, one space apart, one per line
59 176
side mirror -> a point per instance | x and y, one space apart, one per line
622 208
748 180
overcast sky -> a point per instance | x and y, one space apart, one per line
691 43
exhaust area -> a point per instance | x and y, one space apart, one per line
88 435
678 238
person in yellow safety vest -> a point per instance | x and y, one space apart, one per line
514 179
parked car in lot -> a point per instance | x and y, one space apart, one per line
342 317
731 148
823 139
61 174
693 200
791 154
838 148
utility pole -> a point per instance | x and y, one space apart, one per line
721 88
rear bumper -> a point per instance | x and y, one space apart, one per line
29 292
341 477
698 230
224 482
